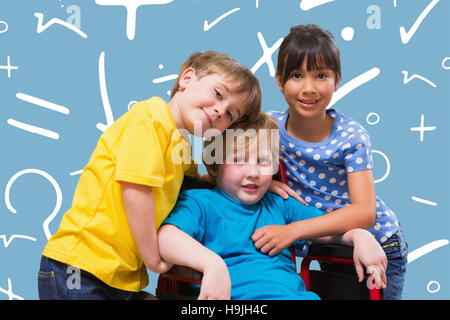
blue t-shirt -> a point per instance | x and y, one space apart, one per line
318 171
225 226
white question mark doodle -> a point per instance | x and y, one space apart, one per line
55 185
388 164
443 63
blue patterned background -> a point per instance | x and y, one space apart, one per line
389 83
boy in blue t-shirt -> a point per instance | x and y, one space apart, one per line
221 232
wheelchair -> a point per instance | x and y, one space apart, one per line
337 279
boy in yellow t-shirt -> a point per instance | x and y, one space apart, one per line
133 178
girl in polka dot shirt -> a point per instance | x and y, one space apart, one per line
327 154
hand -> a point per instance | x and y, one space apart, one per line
272 239
369 254
216 283
284 191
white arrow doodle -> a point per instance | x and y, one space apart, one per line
207 26
353 84
41 28
406 36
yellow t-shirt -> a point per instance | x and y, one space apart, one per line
94 234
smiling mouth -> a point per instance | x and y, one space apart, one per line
250 186
308 103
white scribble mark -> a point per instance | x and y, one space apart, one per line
42 103
414 255
131 6
443 63
104 94
353 84
165 78
406 36
416 76
422 128
5 28
395 3
76 173
430 203
347 33
257 3
41 27
267 55
33 129
8 67
306 5
7 242
388 166
9 292
374 122
45 224
438 286
207 26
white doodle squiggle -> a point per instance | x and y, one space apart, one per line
165 78
423 250
388 165
33 129
306 5
104 94
9 67
11 295
42 27
49 219
416 76
406 36
7 242
131 6
420 200
422 127
353 84
207 26
267 55
5 26
42 103
444 65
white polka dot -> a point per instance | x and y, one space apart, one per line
312 183
338 201
377 226
333 141
363 137
342 171
302 162
388 234
328 152
335 155
318 205
359 160
349 156
345 194
298 153
358 146
329 210
308 199
334 192
298 191
322 176
327 197
346 146
283 148
332 180
309 150
291 145
303 176
316 193
350 129
330 169
292 155
387 224
379 214
294 168
280 118
323 189
383 239
350 169
344 134
316 156
342 183
311 169
347 33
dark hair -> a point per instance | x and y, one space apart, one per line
312 42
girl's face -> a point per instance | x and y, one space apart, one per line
309 92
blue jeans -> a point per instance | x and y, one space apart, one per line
59 281
396 250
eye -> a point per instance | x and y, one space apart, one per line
322 75
264 160
296 75
229 115
218 94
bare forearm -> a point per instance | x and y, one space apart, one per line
179 248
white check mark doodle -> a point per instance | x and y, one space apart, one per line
406 36
207 26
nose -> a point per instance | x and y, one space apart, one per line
308 86
219 111
252 170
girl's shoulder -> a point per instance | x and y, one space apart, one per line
345 122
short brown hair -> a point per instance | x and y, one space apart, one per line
262 121
210 62
312 42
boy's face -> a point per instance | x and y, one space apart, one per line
209 102
248 177
308 93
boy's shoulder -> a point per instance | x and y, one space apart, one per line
197 195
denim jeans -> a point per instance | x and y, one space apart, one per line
59 281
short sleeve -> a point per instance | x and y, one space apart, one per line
188 216
358 154
139 158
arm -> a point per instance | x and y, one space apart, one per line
359 214
284 191
179 248
367 253
140 208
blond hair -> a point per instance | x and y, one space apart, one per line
210 62
262 123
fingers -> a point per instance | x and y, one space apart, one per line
359 270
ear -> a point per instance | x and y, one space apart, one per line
186 78
212 172
278 79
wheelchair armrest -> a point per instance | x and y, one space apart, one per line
331 250
182 273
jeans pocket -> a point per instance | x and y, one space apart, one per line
47 285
